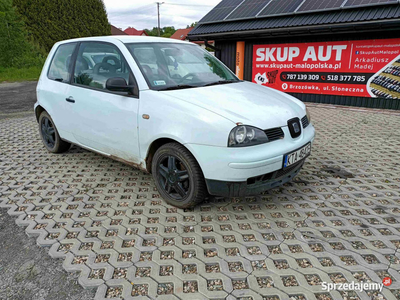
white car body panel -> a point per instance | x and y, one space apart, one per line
107 122
199 118
245 102
181 114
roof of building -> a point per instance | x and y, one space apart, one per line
299 21
202 42
133 31
181 34
117 31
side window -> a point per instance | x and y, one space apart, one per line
147 59
98 62
59 67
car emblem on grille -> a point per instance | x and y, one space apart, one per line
296 127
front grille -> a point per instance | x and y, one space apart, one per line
274 134
305 121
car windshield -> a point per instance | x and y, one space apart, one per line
168 66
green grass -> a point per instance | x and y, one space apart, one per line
14 74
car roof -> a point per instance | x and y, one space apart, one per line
127 39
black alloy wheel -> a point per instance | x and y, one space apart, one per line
174 177
178 176
48 132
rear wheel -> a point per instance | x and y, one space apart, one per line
49 134
178 176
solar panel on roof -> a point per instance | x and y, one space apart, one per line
228 10
313 5
277 7
248 9
224 8
355 3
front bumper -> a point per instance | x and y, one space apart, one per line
254 185
230 164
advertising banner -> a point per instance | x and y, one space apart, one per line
368 68
240 59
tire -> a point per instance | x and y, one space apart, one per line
49 135
178 176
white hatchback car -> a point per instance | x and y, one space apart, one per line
172 109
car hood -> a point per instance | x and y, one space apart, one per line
245 102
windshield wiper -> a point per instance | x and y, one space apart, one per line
179 87
221 82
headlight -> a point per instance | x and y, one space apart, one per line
243 136
308 115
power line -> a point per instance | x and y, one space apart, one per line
183 4
145 7
141 9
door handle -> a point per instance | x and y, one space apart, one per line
70 99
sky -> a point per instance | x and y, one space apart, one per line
143 14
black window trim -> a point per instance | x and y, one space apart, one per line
69 70
97 89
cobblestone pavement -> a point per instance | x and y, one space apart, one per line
338 222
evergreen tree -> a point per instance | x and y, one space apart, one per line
50 21
15 48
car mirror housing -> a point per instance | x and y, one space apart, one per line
118 84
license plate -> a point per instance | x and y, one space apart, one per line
296 156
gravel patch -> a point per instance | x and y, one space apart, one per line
190 287
215 285
166 270
165 288
265 282
140 290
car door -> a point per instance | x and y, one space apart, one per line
104 121
53 89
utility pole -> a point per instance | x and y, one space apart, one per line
158 13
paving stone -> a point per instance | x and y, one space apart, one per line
338 221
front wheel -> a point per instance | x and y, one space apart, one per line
178 176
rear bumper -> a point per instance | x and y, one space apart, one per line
254 185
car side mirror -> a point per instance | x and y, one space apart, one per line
118 84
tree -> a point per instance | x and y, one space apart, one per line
168 31
164 32
152 32
15 48
50 21
192 25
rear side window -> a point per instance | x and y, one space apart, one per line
59 68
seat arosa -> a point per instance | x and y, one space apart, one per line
172 109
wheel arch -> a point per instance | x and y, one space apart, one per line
156 144
38 111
